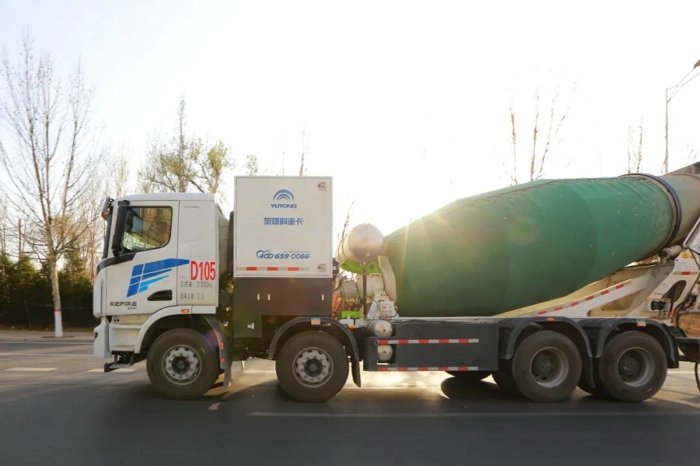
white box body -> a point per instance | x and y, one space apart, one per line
283 227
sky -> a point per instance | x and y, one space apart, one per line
404 103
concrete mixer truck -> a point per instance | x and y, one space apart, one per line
546 286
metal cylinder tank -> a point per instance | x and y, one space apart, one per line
518 246
363 244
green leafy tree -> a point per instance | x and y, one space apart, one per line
252 167
185 163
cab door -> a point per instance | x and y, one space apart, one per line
142 275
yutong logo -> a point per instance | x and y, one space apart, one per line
283 199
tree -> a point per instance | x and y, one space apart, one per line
545 128
3 228
251 165
635 144
304 153
46 155
117 170
345 230
185 163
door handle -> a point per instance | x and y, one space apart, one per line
163 295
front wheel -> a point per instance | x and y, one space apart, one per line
182 364
312 367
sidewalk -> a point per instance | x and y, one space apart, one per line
86 336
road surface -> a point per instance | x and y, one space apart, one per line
57 407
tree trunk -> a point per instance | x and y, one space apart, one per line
26 309
53 270
20 246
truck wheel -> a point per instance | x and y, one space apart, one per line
632 367
469 376
181 364
312 367
546 367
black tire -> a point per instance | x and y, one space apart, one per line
182 364
469 376
546 367
590 387
312 367
632 367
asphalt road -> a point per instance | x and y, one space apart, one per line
58 408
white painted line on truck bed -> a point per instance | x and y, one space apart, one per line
31 369
489 414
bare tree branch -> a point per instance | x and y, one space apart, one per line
540 150
304 152
185 163
513 142
635 145
42 150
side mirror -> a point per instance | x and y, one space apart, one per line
119 230
107 208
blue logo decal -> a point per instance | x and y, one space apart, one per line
283 199
264 254
143 275
283 195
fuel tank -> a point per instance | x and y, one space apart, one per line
522 245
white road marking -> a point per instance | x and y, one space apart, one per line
490 414
31 369
214 407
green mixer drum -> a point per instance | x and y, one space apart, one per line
499 251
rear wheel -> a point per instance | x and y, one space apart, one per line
312 367
546 367
182 364
632 367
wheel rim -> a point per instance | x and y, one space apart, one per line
181 364
313 367
636 367
549 367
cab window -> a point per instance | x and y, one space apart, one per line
146 228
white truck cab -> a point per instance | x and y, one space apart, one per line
161 258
